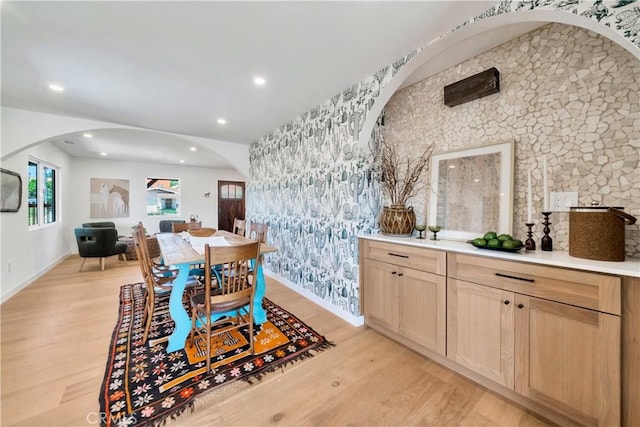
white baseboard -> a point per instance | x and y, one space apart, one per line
348 317
29 280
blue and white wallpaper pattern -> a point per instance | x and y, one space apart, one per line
311 180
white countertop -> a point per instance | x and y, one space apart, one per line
630 267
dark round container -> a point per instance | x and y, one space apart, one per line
598 232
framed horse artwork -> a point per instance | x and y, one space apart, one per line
109 198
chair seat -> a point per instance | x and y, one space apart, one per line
120 248
166 283
198 301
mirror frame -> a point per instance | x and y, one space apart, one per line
505 222
11 183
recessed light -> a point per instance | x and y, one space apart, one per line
181 161
452 166
476 180
259 81
56 87
103 154
222 121
193 148
87 135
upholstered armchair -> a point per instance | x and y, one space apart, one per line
99 243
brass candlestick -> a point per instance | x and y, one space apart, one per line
547 242
529 244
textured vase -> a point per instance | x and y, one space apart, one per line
397 220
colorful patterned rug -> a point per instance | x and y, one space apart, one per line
144 385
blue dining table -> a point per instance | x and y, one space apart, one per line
183 251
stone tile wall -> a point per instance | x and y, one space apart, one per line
566 93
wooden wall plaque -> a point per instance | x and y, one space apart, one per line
473 87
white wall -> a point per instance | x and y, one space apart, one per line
33 252
194 183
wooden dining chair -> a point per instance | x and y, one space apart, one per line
158 279
258 231
151 286
185 226
166 225
228 288
196 270
239 226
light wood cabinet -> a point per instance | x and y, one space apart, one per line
407 304
549 338
381 296
568 358
421 307
564 357
480 330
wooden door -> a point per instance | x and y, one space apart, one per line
230 203
381 294
422 318
568 358
480 329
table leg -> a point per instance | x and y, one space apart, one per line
179 315
259 313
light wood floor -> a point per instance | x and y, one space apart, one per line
56 332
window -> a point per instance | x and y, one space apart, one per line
231 192
42 193
163 196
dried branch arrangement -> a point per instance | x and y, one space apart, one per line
398 178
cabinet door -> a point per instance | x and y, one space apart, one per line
381 294
422 314
480 328
569 359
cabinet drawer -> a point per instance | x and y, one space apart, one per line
407 256
583 289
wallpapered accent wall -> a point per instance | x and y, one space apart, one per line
311 181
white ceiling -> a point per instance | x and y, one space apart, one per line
178 66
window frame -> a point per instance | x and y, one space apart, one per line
178 199
41 194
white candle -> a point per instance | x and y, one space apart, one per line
545 186
529 196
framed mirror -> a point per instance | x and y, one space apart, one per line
472 191
10 191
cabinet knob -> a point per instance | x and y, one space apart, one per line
520 305
394 272
507 302
400 274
